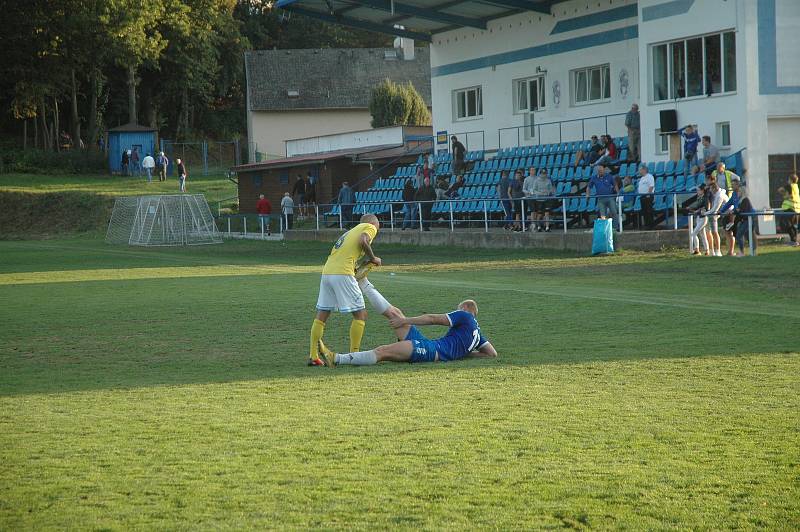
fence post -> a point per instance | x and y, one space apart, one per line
690 224
316 214
750 236
619 213
237 156
205 157
450 202
675 211
391 217
261 222
522 214
485 217
419 210
564 213
229 226
340 216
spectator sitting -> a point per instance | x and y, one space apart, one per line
710 155
543 189
441 186
264 210
629 192
788 222
690 141
698 207
609 153
606 190
589 156
729 176
453 191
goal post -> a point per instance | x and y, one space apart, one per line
163 220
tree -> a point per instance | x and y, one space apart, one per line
393 104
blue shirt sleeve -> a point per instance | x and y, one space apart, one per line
482 341
458 317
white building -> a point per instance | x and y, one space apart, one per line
573 68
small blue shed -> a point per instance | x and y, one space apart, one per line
128 137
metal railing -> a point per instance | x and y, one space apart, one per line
560 123
465 136
750 226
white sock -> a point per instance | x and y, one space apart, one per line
375 298
359 358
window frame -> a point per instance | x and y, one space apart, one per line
604 72
673 91
541 94
660 141
478 89
719 127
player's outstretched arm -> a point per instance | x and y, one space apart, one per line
487 350
367 247
425 319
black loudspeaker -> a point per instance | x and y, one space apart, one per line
669 121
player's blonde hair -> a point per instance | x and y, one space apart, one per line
369 219
469 305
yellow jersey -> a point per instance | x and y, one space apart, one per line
795 193
347 250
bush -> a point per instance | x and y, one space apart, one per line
65 162
393 104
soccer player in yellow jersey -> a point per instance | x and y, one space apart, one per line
338 288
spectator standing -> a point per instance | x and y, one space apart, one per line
543 190
742 225
794 191
149 164
311 190
125 162
606 190
459 151
527 191
690 141
427 166
645 188
718 199
710 155
724 177
182 175
517 194
426 195
287 210
409 207
101 143
346 200
698 208
135 162
730 208
788 220
299 192
264 210
503 192
162 162
632 122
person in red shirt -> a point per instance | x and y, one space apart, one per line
264 209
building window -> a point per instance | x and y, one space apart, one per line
468 103
724 134
694 67
592 84
662 143
529 95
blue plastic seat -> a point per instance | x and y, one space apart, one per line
659 188
659 171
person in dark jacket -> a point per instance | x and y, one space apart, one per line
182 175
741 224
459 151
453 191
409 207
426 194
697 207
125 161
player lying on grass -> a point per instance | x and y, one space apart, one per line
463 338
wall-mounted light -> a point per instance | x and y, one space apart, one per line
540 70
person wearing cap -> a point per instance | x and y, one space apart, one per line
697 207
721 172
161 164
730 207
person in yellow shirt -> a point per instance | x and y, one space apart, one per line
794 192
339 290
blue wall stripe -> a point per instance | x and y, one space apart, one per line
768 51
604 17
559 47
667 9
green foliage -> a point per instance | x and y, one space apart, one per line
395 104
166 389
64 162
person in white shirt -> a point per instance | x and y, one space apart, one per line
287 210
148 163
718 199
646 185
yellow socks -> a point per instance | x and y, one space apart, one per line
356 334
317 330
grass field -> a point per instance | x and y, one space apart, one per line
166 388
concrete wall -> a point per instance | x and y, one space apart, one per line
269 130
579 242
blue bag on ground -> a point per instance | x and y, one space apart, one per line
603 239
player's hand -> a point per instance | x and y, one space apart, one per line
376 261
398 322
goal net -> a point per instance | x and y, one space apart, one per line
167 220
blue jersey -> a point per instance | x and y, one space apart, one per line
463 337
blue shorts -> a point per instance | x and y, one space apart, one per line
422 349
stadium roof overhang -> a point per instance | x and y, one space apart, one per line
415 19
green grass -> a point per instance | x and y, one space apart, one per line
166 388
214 187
